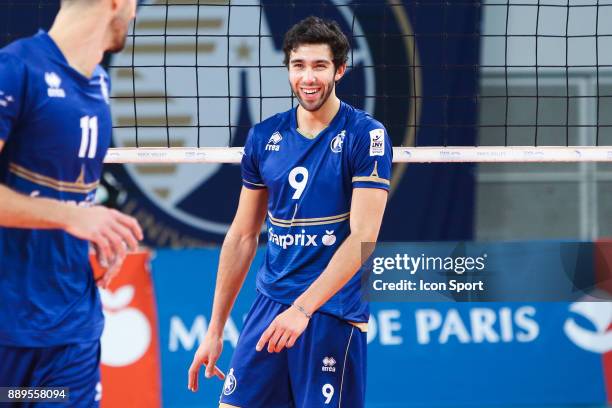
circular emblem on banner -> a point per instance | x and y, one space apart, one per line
179 105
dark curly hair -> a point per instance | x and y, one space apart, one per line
315 30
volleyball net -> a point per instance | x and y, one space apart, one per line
515 81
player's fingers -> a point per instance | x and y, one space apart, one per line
126 235
274 339
103 245
111 272
116 244
194 370
264 338
131 223
210 367
282 342
292 339
219 373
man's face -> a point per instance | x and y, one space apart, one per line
312 75
120 24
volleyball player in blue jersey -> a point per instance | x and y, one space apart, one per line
320 173
55 128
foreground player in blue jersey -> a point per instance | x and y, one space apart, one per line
55 128
320 173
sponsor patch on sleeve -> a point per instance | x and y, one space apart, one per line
377 142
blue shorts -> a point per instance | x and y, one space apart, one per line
75 366
325 368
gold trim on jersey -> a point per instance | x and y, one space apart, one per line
224 405
373 176
79 186
306 222
308 135
362 326
253 184
373 179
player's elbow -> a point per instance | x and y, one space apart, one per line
244 237
366 232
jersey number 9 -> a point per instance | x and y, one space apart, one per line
300 185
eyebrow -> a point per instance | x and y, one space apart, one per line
319 61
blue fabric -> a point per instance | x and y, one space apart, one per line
325 367
74 366
57 126
310 185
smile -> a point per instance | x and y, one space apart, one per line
310 91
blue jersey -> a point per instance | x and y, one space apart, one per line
56 126
310 183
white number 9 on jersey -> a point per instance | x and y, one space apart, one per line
328 392
299 186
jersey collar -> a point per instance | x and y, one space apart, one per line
332 125
61 58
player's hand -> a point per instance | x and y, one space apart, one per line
284 331
110 272
207 354
111 232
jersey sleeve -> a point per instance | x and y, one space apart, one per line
372 155
12 81
251 177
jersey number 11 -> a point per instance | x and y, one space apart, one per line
89 136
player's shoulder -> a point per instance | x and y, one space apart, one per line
275 123
362 124
14 54
23 50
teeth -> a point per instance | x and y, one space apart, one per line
310 91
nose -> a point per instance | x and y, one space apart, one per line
309 75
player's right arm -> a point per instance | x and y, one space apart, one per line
237 254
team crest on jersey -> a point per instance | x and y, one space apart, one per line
54 83
377 142
273 143
329 365
337 142
230 383
174 201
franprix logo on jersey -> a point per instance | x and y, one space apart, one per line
337 142
287 240
300 239
599 314
172 201
329 365
377 142
230 383
54 82
329 238
273 143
